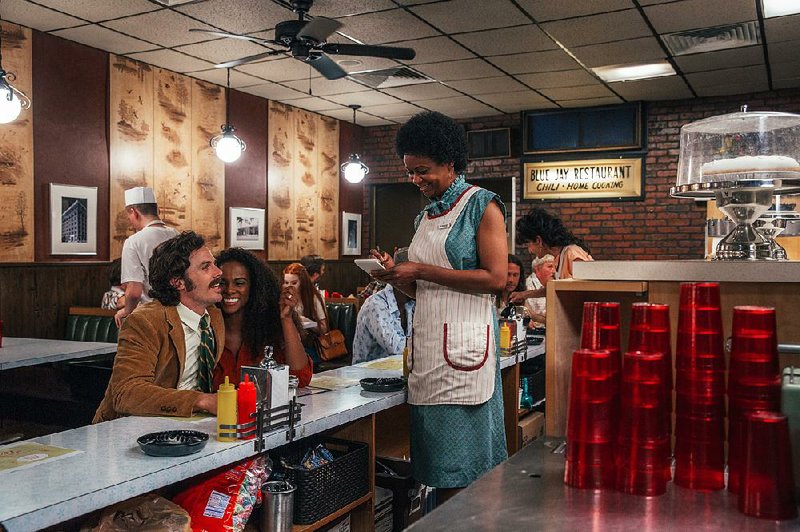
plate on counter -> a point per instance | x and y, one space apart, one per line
172 442
383 385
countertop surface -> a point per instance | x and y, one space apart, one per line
17 352
527 492
689 270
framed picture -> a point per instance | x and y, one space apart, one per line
351 233
247 228
73 220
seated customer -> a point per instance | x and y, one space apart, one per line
513 282
257 313
315 267
543 270
310 309
114 299
384 322
168 348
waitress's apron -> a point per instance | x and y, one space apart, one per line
452 359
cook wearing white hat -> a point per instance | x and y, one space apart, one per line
142 211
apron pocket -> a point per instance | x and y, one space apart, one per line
466 345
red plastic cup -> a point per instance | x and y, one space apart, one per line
755 389
767 481
743 372
699 465
700 350
701 383
699 406
590 453
592 422
600 329
593 397
648 482
585 476
750 321
700 429
700 295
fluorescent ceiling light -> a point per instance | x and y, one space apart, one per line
780 8
632 72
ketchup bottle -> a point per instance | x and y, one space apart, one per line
246 403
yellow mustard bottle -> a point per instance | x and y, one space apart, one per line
405 362
226 410
505 336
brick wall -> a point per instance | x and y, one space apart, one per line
658 227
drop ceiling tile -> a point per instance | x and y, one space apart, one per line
577 93
505 41
639 50
104 39
544 10
511 102
363 119
727 76
37 17
787 69
364 63
534 62
785 51
590 102
97 10
453 70
363 98
238 16
733 89
273 91
166 28
467 15
488 85
170 60
222 50
666 88
782 28
564 78
470 112
608 27
385 26
434 50
220 77
694 14
344 8
788 83
315 104
750 55
393 109
456 105
324 87
422 91
280 70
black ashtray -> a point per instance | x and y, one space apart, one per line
172 442
385 384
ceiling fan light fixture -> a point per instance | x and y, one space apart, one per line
633 72
780 8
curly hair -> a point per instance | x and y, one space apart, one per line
261 325
312 263
169 261
434 135
307 291
542 223
513 259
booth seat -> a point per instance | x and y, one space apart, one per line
88 377
90 324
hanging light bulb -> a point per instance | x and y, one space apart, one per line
354 169
12 100
228 146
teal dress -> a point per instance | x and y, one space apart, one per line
453 445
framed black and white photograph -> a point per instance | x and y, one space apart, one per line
247 228
351 233
73 220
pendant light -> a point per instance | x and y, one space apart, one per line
228 146
354 170
12 100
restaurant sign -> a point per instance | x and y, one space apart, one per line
583 179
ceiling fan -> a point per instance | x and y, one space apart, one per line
306 40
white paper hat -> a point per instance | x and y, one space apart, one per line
138 195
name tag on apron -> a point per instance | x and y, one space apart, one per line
442 227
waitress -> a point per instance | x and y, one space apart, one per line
457 262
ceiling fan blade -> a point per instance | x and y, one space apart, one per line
248 59
325 66
319 29
389 52
234 36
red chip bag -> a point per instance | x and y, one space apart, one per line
226 500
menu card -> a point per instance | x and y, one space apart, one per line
27 454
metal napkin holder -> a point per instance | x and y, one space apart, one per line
265 419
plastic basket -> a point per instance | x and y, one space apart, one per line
325 489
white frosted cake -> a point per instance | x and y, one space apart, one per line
751 163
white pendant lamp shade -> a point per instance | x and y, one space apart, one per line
10 105
354 169
228 146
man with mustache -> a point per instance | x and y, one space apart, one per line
168 347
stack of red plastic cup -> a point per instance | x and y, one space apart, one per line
643 450
600 330
650 333
700 389
754 381
591 420
767 479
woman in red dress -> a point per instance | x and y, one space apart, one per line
257 313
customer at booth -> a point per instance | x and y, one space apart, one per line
514 282
258 312
310 310
543 270
457 263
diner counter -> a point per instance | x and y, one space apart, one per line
527 492
18 352
762 271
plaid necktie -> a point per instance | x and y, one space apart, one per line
205 356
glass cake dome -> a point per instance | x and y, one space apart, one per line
739 150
